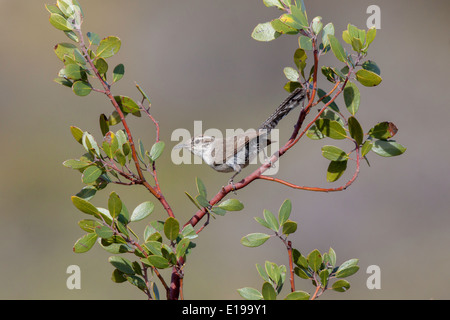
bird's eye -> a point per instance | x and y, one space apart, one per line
196 141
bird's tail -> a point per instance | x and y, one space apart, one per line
291 102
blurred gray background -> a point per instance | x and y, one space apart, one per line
197 61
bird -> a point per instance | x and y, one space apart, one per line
234 153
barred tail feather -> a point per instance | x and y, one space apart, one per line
291 102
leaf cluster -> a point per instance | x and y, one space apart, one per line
320 268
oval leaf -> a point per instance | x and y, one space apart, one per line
231 205
108 47
337 48
352 97
265 32
298 295
268 292
334 153
142 211
368 78
254 239
335 170
81 88
356 131
91 174
85 243
171 228
250 294
388 148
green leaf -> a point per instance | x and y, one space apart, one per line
157 150
53 9
356 131
298 295
142 211
138 282
265 32
371 34
231 205
219 211
91 174
347 272
315 260
127 104
341 285
305 43
114 204
352 97
323 275
383 130
77 133
300 58
332 256
262 273
193 201
85 206
367 146
200 187
201 200
101 65
66 49
81 88
254 239
108 47
154 247
335 170
289 227
122 264
317 25
158 262
271 220
189 232
63 81
371 66
302 273
76 164
250 294
331 129
273 3
357 44
334 153
171 228
285 211
282 28
268 291
291 74
85 243
117 276
104 232
291 86
59 22
181 248
328 29
118 72
299 17
262 222
388 148
89 225
314 134
368 78
94 39
337 48
104 125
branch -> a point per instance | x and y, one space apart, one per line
107 91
